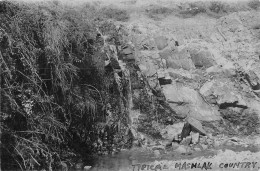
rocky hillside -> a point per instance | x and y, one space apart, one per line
200 69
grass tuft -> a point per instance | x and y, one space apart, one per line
53 86
158 12
114 13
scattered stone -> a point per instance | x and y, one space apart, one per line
210 142
79 166
197 149
165 80
127 51
165 54
114 63
157 153
181 149
168 144
253 80
172 131
234 139
177 138
189 151
175 145
202 59
229 143
159 147
176 43
204 147
186 130
87 167
195 124
64 166
179 60
129 58
169 121
210 136
175 75
202 139
194 137
186 141
107 62
137 143
234 142
217 143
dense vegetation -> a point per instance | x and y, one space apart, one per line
56 93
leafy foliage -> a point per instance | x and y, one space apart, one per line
54 86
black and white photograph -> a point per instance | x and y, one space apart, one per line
130 85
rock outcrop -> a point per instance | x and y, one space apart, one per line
194 73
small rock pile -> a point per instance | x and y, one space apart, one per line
192 138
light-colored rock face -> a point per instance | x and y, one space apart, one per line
185 100
172 131
202 59
203 66
194 137
180 59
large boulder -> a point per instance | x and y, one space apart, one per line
230 95
186 101
253 80
180 59
202 59
167 52
196 125
148 67
224 91
163 77
171 131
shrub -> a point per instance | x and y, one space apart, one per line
115 13
192 11
217 7
53 85
254 4
158 12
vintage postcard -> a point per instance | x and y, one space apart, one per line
130 85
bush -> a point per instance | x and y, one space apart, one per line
158 12
54 86
192 11
217 7
254 4
115 13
